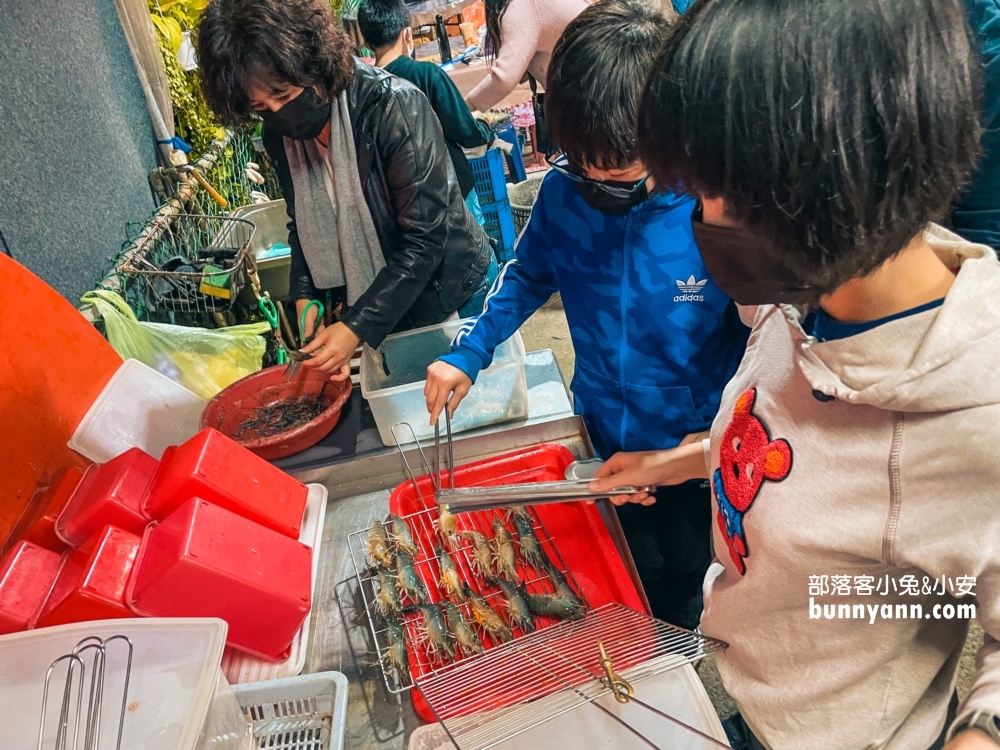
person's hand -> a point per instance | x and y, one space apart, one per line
300 305
331 350
446 384
649 468
695 437
971 739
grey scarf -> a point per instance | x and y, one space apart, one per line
334 225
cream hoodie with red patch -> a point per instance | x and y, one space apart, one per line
871 458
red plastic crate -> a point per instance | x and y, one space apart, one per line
205 561
27 573
576 536
214 468
91 584
110 494
42 531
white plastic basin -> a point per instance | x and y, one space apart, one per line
175 677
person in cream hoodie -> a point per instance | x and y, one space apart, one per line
853 460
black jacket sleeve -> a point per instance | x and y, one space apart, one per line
457 121
300 280
416 163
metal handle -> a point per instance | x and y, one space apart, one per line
466 499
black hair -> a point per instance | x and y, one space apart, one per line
269 42
596 78
838 129
495 10
382 21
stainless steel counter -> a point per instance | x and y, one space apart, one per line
359 491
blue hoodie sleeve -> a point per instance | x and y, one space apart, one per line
524 285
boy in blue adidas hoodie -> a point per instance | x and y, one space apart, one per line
655 340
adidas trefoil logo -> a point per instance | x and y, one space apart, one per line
690 290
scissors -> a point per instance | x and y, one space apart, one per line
296 357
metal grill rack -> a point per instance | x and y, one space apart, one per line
424 527
525 683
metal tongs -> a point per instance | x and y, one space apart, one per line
464 499
507 495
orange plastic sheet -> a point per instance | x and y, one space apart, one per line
53 364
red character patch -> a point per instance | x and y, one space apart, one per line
747 456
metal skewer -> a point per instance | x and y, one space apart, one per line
406 463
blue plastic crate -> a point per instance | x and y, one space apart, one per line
515 161
491 182
498 220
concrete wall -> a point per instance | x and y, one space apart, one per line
75 139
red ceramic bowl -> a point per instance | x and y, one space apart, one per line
238 406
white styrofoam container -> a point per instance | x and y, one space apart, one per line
239 666
138 408
175 676
678 693
499 395
297 712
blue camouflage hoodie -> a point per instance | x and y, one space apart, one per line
655 339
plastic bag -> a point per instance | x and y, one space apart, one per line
201 360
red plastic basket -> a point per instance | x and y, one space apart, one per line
206 561
27 572
110 494
91 584
217 469
51 501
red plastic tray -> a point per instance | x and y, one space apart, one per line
91 584
205 561
110 494
217 469
27 573
42 531
576 538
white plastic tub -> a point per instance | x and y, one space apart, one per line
138 408
175 679
393 377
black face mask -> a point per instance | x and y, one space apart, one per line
749 270
301 119
625 195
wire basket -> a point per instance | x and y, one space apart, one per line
191 263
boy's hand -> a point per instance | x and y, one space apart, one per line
646 468
443 380
971 739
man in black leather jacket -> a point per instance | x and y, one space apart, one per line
261 55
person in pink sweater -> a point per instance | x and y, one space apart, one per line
523 34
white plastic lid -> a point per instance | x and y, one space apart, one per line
175 669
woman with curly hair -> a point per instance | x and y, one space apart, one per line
375 210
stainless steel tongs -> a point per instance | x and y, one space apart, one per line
465 499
